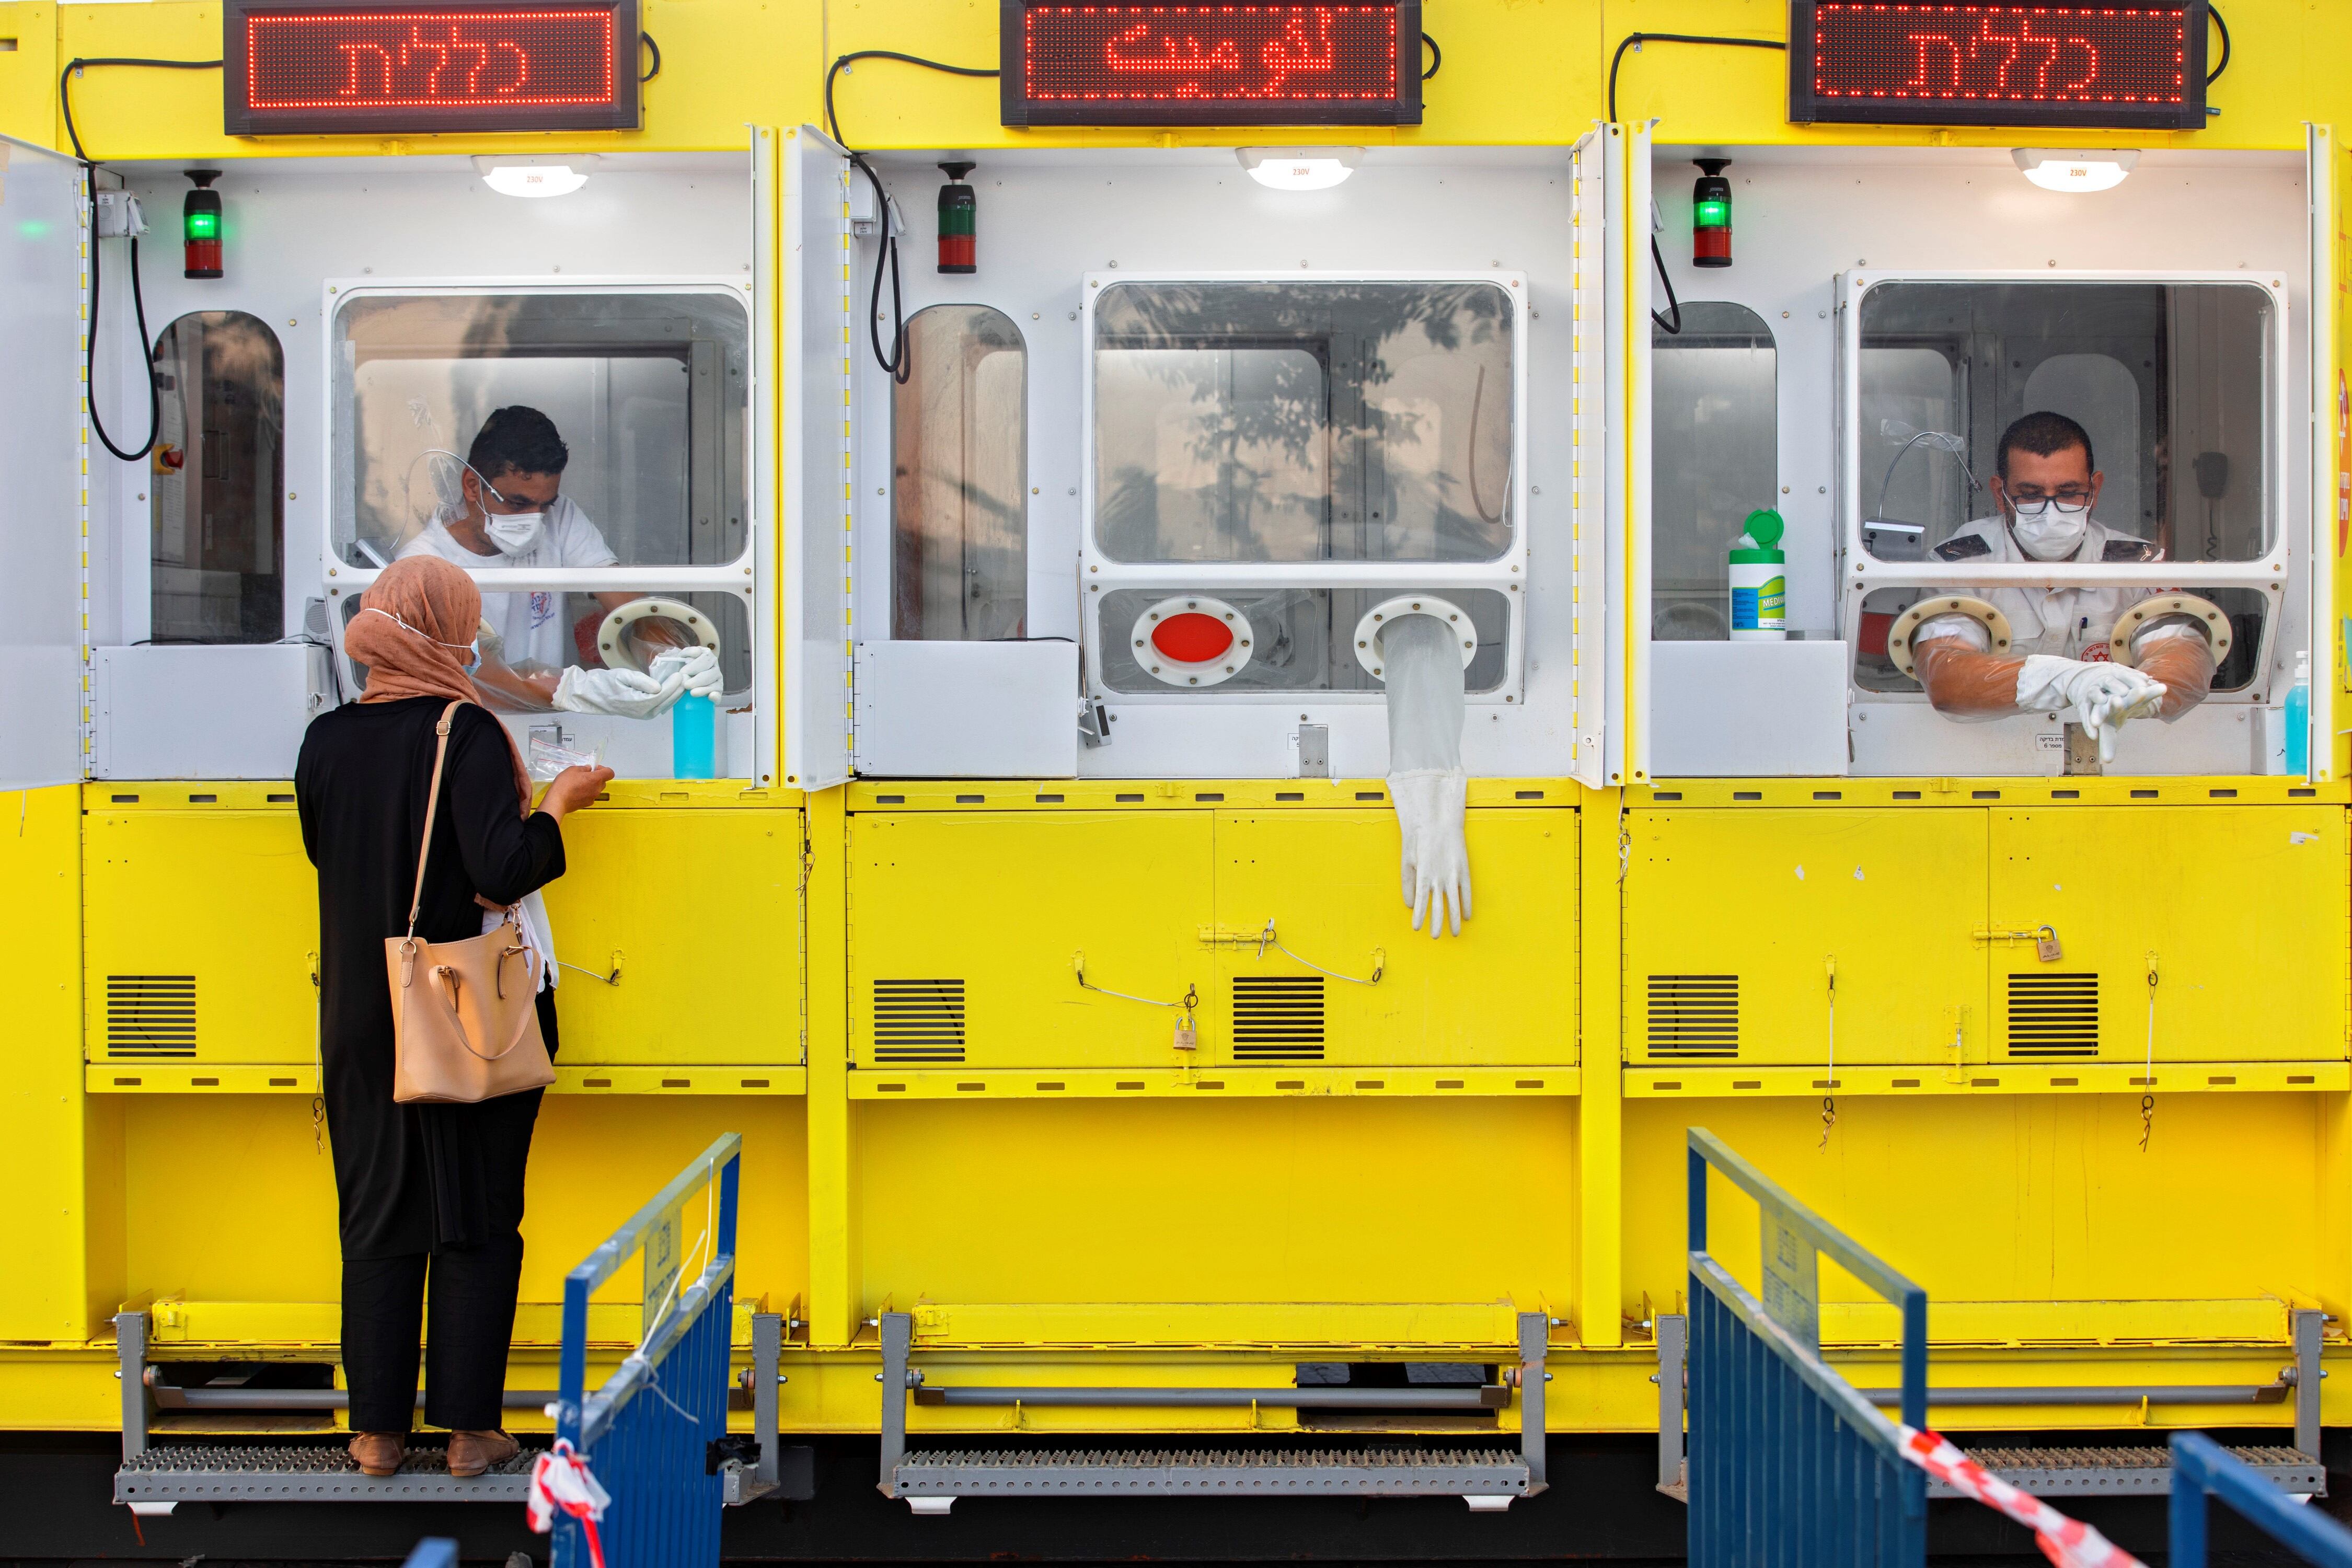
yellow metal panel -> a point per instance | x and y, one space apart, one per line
977 921
46 1229
2259 1319
2204 894
1224 1325
1743 914
1502 992
223 898
1687 1082
2016 1198
1242 1202
1225 1082
699 912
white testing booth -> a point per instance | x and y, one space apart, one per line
1887 314
374 313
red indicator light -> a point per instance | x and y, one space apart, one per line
2000 64
428 68
1191 637
1258 63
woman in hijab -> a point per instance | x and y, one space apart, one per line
439 1186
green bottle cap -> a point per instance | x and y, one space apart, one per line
1758 543
1765 527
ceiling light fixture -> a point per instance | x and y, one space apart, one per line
2067 169
531 176
1300 168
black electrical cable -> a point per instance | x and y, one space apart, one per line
1675 327
1631 40
648 39
2223 27
896 362
1437 57
138 300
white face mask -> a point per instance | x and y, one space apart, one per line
2050 530
514 532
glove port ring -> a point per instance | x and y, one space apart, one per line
1376 620
618 650
1898 637
1193 640
2202 613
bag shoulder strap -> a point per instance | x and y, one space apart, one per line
432 804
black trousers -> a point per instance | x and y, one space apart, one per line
459 1298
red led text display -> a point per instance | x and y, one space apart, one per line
1998 64
428 68
1275 64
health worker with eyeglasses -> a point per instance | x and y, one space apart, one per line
2046 486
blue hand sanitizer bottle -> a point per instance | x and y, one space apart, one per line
2298 719
693 738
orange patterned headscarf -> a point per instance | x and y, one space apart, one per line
413 629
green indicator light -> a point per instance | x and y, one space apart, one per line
1711 215
204 225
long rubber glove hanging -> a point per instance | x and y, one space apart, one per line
1423 661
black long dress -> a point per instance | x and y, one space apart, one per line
417 1181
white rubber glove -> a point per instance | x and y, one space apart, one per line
2099 694
1436 861
699 666
622 693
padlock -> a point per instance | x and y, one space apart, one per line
1187 1038
2045 945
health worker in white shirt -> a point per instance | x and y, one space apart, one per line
511 515
2046 488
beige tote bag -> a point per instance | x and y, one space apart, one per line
465 1015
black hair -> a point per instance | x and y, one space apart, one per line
516 439
2044 434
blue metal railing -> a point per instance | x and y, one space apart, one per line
2200 1466
1789 1464
648 1431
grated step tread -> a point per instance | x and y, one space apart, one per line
1224 1472
2128 1471
1207 1459
315 1460
222 1472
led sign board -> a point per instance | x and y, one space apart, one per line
1280 63
324 69
2121 64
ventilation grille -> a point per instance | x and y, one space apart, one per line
1694 1017
1278 1018
150 1017
2053 1016
917 1022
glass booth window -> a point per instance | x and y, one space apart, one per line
958 500
1303 422
216 553
1714 459
2172 381
648 392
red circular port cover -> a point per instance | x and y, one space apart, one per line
1191 637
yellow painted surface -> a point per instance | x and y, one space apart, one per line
1755 913
2200 894
1255 1201
1502 991
699 912
221 898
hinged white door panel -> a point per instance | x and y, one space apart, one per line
819 556
1588 400
2331 500
41 481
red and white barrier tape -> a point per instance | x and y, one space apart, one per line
560 1483
2068 1543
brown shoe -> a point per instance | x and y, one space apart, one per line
471 1453
379 1453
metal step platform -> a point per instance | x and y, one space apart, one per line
167 1475
2130 1472
1477 1474
162 1470
1485 1476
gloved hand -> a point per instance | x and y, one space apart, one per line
699 666
623 693
2100 695
1436 859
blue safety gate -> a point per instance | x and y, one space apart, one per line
1789 1463
647 1432
2200 1466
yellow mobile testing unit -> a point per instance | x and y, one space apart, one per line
1149 473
